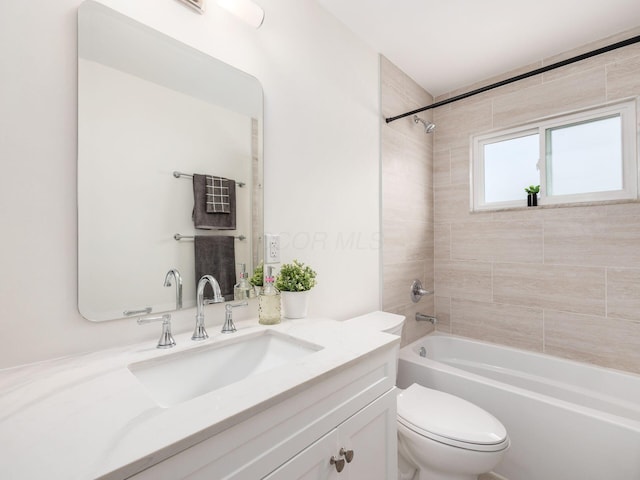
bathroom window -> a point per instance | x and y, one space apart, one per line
586 156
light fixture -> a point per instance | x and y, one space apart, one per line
246 10
197 5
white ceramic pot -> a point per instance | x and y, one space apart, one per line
295 304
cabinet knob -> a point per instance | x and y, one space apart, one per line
338 462
347 454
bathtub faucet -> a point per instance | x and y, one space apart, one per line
421 317
417 292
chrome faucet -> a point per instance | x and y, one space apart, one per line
178 281
200 333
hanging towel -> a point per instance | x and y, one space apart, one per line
218 195
215 255
212 221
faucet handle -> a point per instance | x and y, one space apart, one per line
228 326
166 339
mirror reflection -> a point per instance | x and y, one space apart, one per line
169 161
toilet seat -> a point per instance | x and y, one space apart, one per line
450 420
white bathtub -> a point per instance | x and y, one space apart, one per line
567 420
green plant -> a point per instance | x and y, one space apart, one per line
295 277
531 189
257 279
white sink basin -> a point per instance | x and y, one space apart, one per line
181 376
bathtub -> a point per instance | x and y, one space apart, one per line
566 420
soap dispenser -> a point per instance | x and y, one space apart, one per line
269 301
243 289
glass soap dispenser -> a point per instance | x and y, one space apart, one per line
269 301
243 290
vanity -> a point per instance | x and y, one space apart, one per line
311 398
320 404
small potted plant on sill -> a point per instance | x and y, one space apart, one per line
294 281
532 195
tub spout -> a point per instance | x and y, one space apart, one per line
421 317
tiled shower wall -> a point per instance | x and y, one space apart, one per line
407 200
564 281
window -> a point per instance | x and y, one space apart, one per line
581 157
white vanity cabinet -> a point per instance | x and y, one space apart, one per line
362 447
353 407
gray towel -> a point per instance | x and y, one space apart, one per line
218 194
212 221
215 255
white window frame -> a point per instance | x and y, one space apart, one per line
627 111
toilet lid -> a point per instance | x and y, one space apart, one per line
449 419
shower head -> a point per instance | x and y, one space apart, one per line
428 126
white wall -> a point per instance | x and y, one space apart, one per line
321 155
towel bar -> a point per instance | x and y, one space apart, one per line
177 236
188 175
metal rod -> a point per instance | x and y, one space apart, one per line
188 175
553 66
137 312
177 236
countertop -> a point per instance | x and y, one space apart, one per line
87 416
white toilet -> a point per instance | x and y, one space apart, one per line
440 436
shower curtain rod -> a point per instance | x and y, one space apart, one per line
537 71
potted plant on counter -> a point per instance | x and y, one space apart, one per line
294 281
532 195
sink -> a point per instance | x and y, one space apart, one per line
181 376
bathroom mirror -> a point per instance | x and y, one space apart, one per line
151 112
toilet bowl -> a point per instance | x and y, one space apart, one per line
444 437
440 436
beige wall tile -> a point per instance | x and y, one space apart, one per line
560 287
550 98
608 342
497 241
443 314
468 280
623 209
603 241
511 87
407 193
493 322
452 205
442 167
593 62
455 124
442 241
404 241
623 78
623 294
460 158
397 279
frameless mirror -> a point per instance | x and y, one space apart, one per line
151 113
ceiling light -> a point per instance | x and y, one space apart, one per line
245 10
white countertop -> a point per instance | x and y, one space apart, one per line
87 416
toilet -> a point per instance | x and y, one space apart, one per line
440 436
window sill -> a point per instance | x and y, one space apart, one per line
555 205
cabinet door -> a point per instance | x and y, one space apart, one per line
313 463
371 435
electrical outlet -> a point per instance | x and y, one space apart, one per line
272 248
